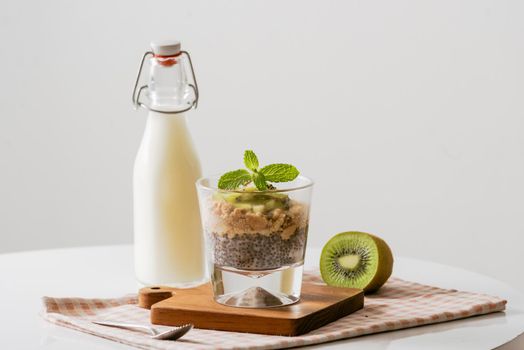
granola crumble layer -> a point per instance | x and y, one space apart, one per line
226 219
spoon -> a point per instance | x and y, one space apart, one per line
171 334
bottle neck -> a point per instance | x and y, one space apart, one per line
169 89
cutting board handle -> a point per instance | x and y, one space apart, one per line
152 295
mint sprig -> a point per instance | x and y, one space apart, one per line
260 181
279 172
234 179
251 160
260 177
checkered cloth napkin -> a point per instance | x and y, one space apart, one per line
399 304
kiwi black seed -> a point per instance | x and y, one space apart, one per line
356 260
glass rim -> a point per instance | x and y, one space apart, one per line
309 183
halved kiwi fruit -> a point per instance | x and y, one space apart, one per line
356 260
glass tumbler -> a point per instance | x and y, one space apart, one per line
255 241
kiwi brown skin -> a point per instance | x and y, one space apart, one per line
384 263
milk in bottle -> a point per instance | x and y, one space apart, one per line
168 238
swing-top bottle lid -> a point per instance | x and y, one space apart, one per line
165 47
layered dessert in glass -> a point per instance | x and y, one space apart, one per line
255 241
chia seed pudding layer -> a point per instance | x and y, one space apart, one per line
256 231
257 251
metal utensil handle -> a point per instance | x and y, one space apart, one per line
130 326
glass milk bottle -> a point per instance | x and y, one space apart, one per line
167 231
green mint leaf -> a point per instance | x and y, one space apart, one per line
259 181
234 179
251 160
261 178
279 172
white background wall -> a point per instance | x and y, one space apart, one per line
408 114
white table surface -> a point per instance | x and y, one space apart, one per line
107 271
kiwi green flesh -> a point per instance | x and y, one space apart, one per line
259 202
349 260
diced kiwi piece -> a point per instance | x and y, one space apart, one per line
273 204
259 208
269 201
226 196
245 206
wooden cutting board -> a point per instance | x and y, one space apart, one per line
318 306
